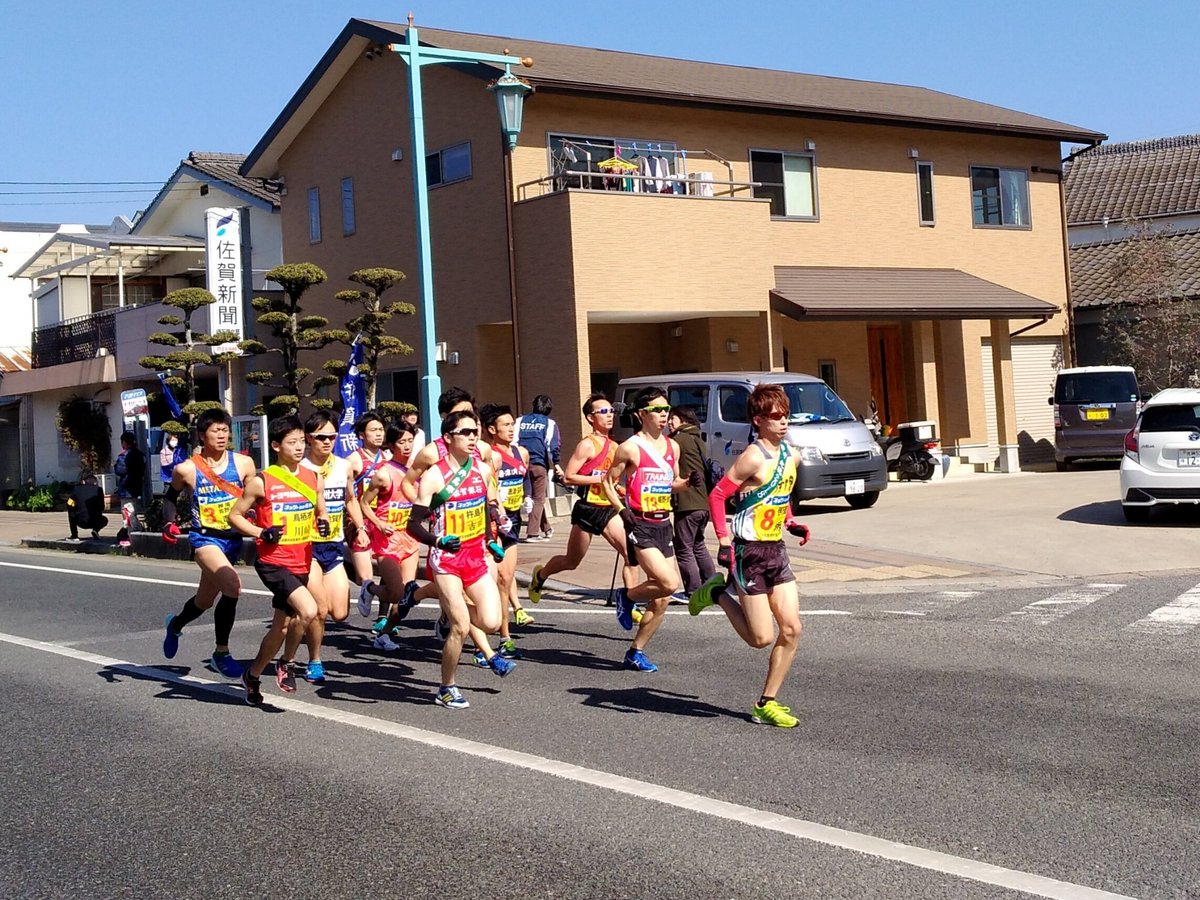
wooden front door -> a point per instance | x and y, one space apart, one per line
887 373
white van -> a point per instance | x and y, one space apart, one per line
838 455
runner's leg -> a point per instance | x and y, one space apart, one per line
458 619
785 607
614 533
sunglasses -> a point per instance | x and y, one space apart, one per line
601 411
465 432
322 436
776 415
656 409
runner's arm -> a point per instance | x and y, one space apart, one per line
379 480
585 452
179 480
744 468
321 513
611 478
420 464
237 515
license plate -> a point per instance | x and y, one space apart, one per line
1189 458
859 485
1095 414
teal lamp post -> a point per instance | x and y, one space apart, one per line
510 94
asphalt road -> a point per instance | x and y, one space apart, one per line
956 744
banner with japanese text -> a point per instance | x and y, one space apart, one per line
354 402
223 263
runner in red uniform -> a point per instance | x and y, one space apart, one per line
289 504
457 497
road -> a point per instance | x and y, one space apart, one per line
976 743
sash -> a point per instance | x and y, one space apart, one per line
452 485
232 490
759 494
282 474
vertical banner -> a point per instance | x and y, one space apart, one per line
353 402
223 264
172 403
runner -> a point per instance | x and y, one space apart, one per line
289 503
650 457
512 463
761 481
593 514
327 579
215 478
386 509
459 494
364 461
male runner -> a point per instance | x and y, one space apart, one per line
289 503
651 459
459 494
386 509
327 580
761 481
215 476
364 461
593 514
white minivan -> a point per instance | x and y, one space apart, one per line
838 455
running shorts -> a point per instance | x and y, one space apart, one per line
651 533
513 535
399 545
282 583
230 546
329 554
591 519
468 564
759 566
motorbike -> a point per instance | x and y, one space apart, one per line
906 448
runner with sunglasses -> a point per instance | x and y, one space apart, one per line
651 460
760 481
215 477
457 498
593 515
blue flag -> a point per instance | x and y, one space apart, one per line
172 404
353 402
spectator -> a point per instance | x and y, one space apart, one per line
85 508
691 504
171 455
419 440
539 434
130 469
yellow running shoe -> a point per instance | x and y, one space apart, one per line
535 587
523 618
773 713
705 595
636 614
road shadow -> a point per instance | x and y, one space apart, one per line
1108 512
174 690
652 700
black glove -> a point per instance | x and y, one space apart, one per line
725 556
451 543
628 518
695 478
497 550
323 527
271 535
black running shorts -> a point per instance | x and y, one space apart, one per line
759 566
282 583
651 534
590 518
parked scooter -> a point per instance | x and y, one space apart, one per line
906 448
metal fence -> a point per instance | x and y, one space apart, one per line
75 340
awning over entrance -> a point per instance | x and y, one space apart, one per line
104 255
828 292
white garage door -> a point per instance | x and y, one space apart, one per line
1035 362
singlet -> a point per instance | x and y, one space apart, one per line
649 485
293 513
211 503
760 512
391 506
370 464
465 511
336 473
599 464
510 480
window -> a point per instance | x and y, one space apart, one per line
449 165
788 180
348 225
734 401
1000 197
135 294
314 216
693 396
925 192
827 370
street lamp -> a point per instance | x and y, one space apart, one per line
510 93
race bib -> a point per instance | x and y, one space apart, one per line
215 514
512 493
656 492
335 526
295 521
769 518
466 518
397 516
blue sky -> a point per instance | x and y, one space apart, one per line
122 91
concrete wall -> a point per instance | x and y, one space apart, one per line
16 312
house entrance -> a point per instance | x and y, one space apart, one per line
886 359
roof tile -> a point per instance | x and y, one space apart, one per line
1134 180
1092 266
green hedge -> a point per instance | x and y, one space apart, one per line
39 498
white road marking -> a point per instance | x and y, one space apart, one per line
924 605
1043 612
858 842
116 577
1179 616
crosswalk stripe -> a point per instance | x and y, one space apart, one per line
1043 612
1179 616
922 606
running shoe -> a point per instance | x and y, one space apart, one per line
523 618
706 595
440 626
549 532
500 665
508 649
636 613
315 673
365 598
409 600
624 609
170 640
379 625
225 664
253 688
772 713
450 697
480 659
636 659
535 587
384 642
285 677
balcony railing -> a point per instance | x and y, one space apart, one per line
666 186
75 340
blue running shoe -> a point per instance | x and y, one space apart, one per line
315 673
170 640
636 659
225 664
450 697
500 665
624 610
378 626
481 660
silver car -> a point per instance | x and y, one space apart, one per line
1161 465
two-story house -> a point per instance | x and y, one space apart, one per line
666 215
96 299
